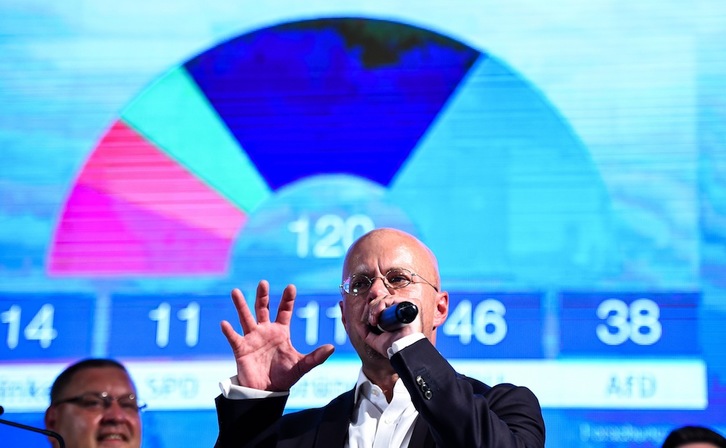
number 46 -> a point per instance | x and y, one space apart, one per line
486 322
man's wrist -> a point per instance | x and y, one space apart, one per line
232 390
404 342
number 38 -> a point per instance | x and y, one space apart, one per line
637 322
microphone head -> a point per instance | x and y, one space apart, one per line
396 316
406 312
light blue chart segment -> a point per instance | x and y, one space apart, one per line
500 195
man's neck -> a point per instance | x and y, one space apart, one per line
385 379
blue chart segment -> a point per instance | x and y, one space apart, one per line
169 326
46 326
493 325
643 324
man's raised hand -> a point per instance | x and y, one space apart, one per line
265 357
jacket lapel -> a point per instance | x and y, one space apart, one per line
421 437
335 422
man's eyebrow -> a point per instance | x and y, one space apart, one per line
360 270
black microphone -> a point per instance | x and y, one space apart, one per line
396 316
47 432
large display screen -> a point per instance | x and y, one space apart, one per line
565 161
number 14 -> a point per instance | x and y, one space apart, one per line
40 328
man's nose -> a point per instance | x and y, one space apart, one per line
378 289
114 412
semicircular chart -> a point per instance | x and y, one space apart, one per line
243 151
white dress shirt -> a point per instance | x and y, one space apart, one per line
375 422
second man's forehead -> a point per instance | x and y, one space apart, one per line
90 377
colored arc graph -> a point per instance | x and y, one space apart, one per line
175 179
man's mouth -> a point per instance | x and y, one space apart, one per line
111 436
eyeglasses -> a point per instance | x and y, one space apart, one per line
395 278
98 401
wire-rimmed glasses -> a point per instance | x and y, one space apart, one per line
395 278
99 401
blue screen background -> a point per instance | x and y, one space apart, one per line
555 156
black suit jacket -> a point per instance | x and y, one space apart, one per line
454 411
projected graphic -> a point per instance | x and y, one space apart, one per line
349 123
267 155
563 188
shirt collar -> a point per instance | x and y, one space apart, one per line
364 388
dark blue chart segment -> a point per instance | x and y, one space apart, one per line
354 95
45 326
492 325
169 326
631 323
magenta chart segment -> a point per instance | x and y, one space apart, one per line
125 215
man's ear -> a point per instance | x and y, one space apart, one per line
442 308
342 311
51 417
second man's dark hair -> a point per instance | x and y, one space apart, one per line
64 379
693 434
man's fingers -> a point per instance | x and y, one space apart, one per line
229 332
246 319
262 302
262 307
284 311
315 358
